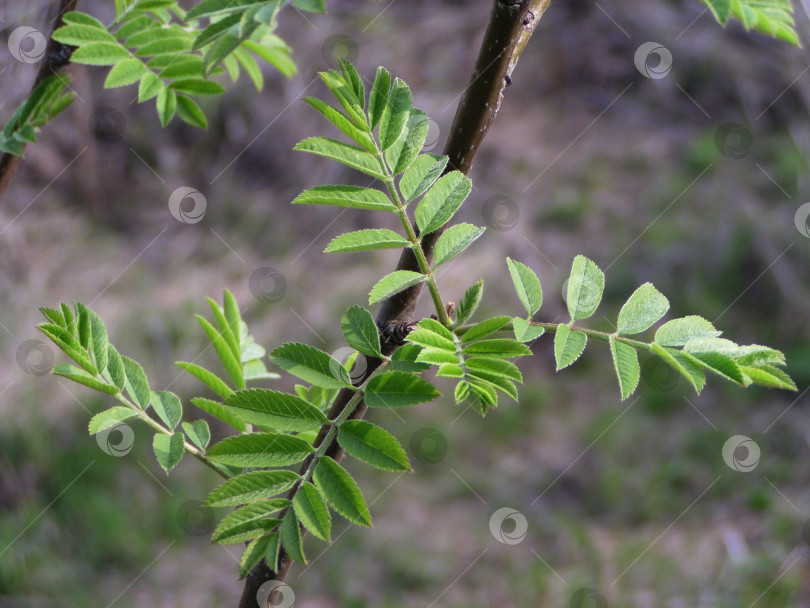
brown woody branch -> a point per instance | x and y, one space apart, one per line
51 64
511 24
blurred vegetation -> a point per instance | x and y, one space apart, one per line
645 180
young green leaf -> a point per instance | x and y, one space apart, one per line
344 124
231 532
527 285
453 241
127 72
168 449
79 18
395 114
168 408
225 344
495 367
469 302
718 363
568 346
484 329
115 367
689 370
502 348
367 239
77 374
354 197
341 491
100 53
311 509
525 331
137 385
771 17
404 359
678 332
769 376
379 95
346 154
585 287
274 409
311 365
442 201
373 445
436 356
398 389
642 310
251 487
393 283
190 113
217 410
149 86
166 105
402 153
210 379
361 331
253 554
291 537
421 175
424 336
350 75
110 418
69 345
625 362
198 432
260 450
241 519
272 552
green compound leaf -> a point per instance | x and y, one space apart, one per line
291 537
210 379
365 240
771 17
311 365
393 283
469 302
110 418
625 362
398 389
254 553
198 432
401 155
260 450
525 331
341 491
127 72
251 487
100 53
168 450
137 385
217 410
585 287
395 114
361 332
346 154
379 95
311 509
373 445
484 329
353 197
281 411
421 175
686 368
442 201
642 310
71 372
453 241
568 346
501 348
527 286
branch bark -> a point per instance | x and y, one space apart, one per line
51 64
511 24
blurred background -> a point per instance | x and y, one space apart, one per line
692 179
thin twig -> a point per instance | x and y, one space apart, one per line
510 26
51 64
